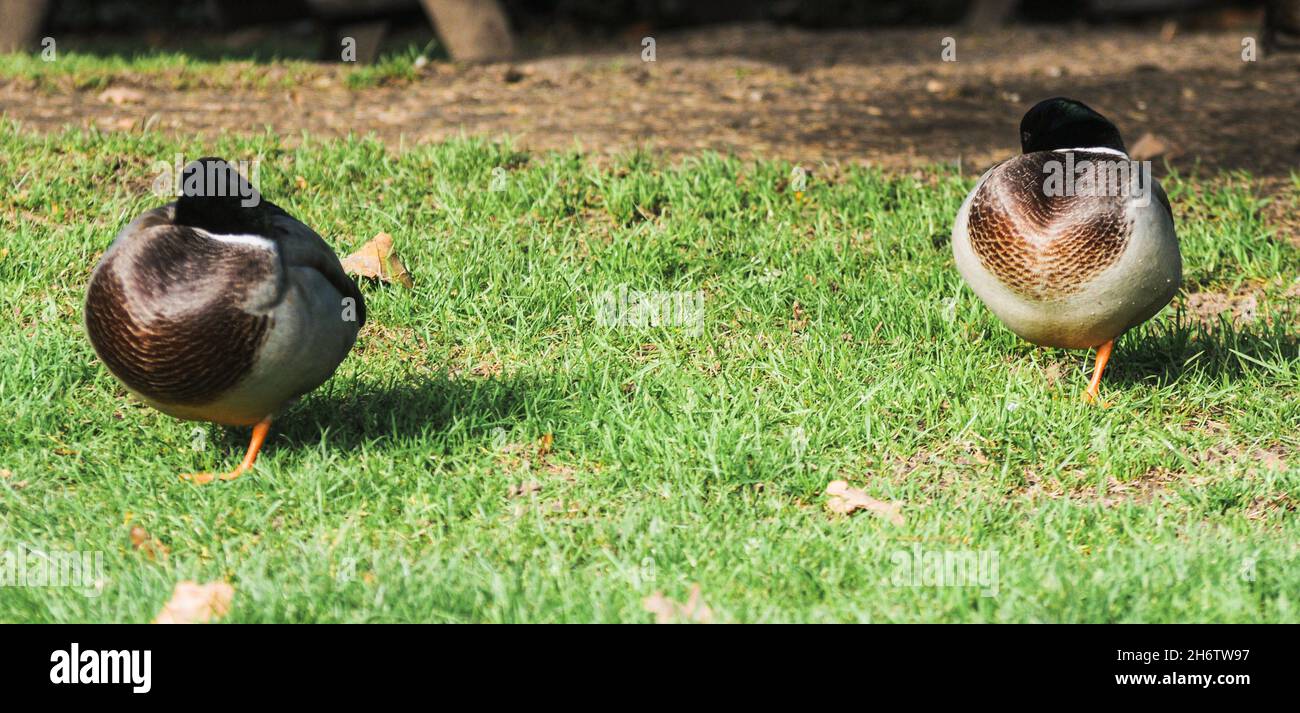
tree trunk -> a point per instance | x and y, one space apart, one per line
988 14
20 24
472 30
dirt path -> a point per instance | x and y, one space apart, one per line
864 97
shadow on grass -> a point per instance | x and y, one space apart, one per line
350 415
1189 348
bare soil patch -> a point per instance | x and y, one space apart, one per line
877 97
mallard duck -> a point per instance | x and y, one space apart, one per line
221 307
1069 268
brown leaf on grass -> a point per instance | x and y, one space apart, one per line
544 444
152 547
376 259
798 322
194 603
845 500
1147 147
121 95
6 474
667 611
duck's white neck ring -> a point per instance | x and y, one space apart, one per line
1095 149
256 241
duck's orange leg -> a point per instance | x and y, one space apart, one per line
254 446
1103 356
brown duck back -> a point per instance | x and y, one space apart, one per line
168 319
1044 247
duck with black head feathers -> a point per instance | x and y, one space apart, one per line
221 307
1069 268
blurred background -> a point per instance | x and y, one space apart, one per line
492 29
1200 85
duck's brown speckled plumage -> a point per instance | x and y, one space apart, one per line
1044 247
225 327
168 320
221 307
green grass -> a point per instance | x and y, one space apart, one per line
98 67
166 70
677 457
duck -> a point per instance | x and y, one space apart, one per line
221 307
1071 243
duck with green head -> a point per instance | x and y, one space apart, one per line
1071 243
221 306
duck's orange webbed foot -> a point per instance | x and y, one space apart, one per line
1094 388
254 446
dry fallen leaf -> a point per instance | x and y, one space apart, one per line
1147 147
845 500
798 322
121 95
544 444
667 611
150 546
194 603
376 259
